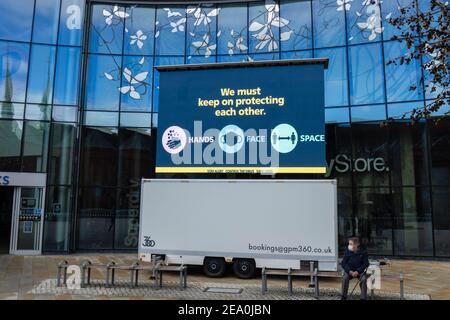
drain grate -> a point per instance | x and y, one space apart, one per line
223 290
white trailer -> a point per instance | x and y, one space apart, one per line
250 223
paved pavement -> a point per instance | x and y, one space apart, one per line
34 277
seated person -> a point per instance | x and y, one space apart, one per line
354 264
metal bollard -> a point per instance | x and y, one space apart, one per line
264 281
134 274
311 277
108 268
402 289
289 281
85 265
316 283
61 265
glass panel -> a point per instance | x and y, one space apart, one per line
370 162
65 114
296 30
403 110
35 146
127 217
99 157
201 31
373 220
6 209
71 22
305 54
412 222
14 68
336 90
38 112
400 78
392 9
139 31
154 120
10 138
409 161
62 153
329 24
16 18
58 209
441 203
40 79
233 39
366 74
96 218
339 154
30 219
345 217
101 118
135 156
140 120
67 76
107 28
137 84
103 82
364 21
440 152
233 58
336 115
264 26
46 16
162 61
11 110
170 31
368 113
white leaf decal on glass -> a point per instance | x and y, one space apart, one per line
125 89
108 76
135 95
255 26
213 12
284 36
142 60
157 34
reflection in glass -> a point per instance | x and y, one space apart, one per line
65 114
170 31
17 18
336 115
136 87
10 137
139 31
46 16
96 218
99 157
441 203
101 118
366 74
336 91
329 24
232 25
38 112
135 119
58 209
40 79
66 77
61 153
103 81
35 146
13 68
71 22
11 110
296 32
107 28
440 152
368 113
412 222
400 78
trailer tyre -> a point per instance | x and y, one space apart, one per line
214 267
244 268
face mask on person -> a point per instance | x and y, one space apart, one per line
350 247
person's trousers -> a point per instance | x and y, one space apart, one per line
362 284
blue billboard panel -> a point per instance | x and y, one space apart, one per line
242 118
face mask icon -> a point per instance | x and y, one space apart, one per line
230 139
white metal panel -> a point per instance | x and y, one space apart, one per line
282 219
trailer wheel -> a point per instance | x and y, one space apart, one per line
214 267
244 268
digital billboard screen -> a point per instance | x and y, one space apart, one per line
265 117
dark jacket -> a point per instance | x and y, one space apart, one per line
355 261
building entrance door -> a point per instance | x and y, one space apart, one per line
27 220
6 210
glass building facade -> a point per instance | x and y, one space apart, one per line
79 101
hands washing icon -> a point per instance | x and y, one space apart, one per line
173 140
